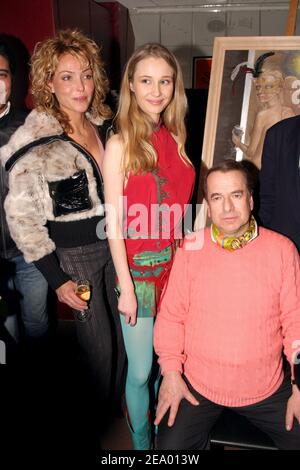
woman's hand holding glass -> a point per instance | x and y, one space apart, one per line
66 294
237 133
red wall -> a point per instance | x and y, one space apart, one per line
107 23
29 20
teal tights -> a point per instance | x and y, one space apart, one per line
138 341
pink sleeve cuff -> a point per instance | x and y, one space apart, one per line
168 365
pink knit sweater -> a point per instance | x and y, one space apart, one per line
225 317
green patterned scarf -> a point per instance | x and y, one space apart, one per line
234 243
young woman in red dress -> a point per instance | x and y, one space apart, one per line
148 181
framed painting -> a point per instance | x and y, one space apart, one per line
201 72
254 83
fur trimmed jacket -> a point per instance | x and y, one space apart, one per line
51 179
8 125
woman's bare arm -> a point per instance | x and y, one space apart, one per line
114 184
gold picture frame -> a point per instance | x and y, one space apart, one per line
231 101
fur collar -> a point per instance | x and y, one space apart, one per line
36 125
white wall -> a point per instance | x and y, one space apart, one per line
191 31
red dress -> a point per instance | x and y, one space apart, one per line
154 205
169 186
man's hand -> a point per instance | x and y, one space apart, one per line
66 294
293 408
172 390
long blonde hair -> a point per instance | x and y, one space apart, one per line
44 62
136 127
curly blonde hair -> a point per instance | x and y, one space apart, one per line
135 127
44 62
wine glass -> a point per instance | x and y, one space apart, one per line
83 291
238 131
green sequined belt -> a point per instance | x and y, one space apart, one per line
150 271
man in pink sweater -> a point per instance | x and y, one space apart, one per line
231 306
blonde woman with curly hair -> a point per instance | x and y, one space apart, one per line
55 200
147 174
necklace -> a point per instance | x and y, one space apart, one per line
85 144
81 138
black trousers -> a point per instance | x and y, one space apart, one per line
100 336
193 423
